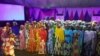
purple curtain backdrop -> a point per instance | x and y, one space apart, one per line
40 14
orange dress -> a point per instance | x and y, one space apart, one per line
38 39
32 42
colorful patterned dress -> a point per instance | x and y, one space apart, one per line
38 39
27 26
50 40
42 47
59 35
80 41
98 44
75 43
31 47
43 34
8 45
22 39
43 40
54 38
88 42
15 30
68 40
64 49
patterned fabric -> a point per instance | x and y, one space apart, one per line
80 41
98 44
89 43
50 41
15 30
43 34
64 49
68 40
54 38
31 46
22 39
59 33
42 47
26 36
57 47
8 45
27 27
43 38
68 36
38 39
75 43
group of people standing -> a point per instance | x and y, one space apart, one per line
69 38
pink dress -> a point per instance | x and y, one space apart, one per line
22 39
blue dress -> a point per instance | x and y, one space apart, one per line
15 30
68 36
68 40
80 40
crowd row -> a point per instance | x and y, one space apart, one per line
71 38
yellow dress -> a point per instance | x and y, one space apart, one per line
59 34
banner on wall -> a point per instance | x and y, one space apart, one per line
60 17
96 18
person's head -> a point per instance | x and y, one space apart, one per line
43 26
21 27
58 24
80 28
38 25
75 27
14 23
32 24
89 28
66 26
27 23
50 25
8 24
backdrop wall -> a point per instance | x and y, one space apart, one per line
68 13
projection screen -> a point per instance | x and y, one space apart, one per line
9 12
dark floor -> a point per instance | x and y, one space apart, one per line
25 53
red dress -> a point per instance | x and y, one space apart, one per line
43 34
43 39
